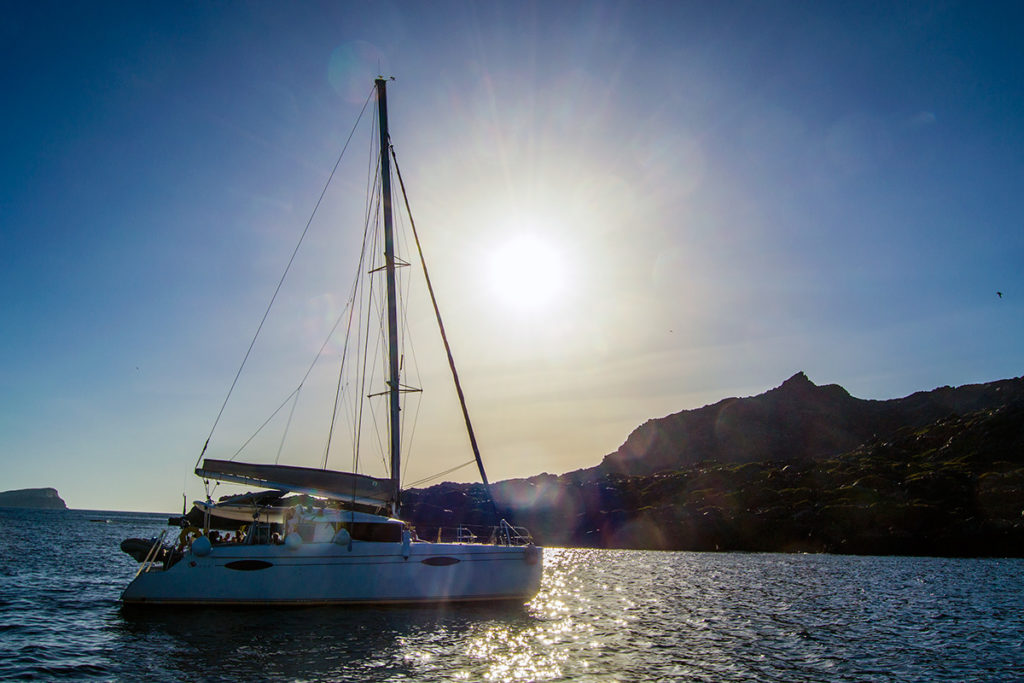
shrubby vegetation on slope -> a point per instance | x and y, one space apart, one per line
954 486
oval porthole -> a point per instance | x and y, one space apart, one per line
248 565
441 561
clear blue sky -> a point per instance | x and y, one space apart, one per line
735 192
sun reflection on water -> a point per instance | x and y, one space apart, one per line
532 653
562 627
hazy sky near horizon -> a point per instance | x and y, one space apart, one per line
730 192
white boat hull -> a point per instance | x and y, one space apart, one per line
326 573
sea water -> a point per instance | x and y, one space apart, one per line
602 615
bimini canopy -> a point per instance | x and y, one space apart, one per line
345 486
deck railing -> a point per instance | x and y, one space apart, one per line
502 534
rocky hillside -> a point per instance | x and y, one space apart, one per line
799 468
47 499
795 421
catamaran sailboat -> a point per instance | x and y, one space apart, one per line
338 539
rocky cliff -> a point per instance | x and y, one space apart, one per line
795 421
47 499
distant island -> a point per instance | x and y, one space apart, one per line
799 468
45 499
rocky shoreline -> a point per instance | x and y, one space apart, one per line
952 486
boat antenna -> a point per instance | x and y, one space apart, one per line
448 350
392 292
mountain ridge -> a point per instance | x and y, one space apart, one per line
797 419
799 468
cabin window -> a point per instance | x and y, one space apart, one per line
379 533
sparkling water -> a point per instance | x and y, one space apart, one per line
602 615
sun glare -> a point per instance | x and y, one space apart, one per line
526 273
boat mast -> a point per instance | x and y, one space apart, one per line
389 264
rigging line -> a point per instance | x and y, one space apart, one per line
412 433
411 370
341 376
265 422
361 403
327 340
348 336
381 350
281 281
441 474
408 351
380 363
334 410
447 347
288 425
364 293
407 345
297 389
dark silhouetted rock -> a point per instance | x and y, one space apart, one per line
46 499
800 468
797 420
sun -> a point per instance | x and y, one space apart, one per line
526 273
